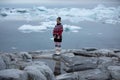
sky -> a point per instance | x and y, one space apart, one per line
52 1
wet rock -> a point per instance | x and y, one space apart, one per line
13 74
56 57
115 72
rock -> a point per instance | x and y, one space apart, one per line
81 67
2 64
117 55
13 74
79 63
69 54
9 59
116 50
43 56
21 64
25 56
56 57
95 53
104 62
66 60
34 73
3 14
39 72
85 53
115 72
67 76
93 74
89 49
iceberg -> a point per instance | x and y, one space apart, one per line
45 26
100 13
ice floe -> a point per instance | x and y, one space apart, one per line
45 26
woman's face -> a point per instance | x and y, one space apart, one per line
58 21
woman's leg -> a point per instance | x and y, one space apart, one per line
58 47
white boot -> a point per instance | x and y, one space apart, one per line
58 50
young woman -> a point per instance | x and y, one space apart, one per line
57 34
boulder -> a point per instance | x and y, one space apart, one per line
80 67
115 72
13 74
104 62
2 64
9 60
93 74
89 49
78 63
25 56
34 73
95 53
39 71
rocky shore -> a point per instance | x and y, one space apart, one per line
71 64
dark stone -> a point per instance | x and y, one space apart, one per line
80 67
89 49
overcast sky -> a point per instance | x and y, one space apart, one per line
52 1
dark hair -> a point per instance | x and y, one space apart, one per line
59 18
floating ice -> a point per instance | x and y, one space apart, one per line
99 33
51 38
45 26
100 13
30 28
71 28
13 48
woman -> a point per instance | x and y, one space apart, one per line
57 34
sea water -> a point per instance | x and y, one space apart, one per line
30 28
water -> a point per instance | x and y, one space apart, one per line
92 34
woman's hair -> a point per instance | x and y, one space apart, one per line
59 18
